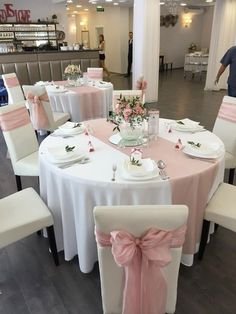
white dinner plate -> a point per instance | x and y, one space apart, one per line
130 176
206 150
58 155
69 128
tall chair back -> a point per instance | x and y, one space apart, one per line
95 73
136 220
15 94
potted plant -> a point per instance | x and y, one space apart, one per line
54 18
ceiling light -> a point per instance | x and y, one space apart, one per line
78 6
161 3
109 0
99 6
86 9
209 0
72 15
183 4
74 11
69 1
116 3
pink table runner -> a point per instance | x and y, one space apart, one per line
190 179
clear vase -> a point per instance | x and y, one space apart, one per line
132 132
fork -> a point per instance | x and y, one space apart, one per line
114 168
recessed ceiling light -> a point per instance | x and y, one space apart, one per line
161 3
99 6
183 4
86 9
93 2
78 6
74 11
209 0
109 0
72 15
116 3
69 1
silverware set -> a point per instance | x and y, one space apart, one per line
81 161
114 168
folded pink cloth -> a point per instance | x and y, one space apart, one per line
145 287
11 82
14 119
227 112
38 117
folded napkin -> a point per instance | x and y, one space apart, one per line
56 89
72 127
147 168
59 153
187 125
42 83
202 148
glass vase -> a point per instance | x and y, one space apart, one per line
130 132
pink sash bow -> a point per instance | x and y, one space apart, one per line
39 117
142 258
227 112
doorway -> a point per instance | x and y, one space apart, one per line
98 31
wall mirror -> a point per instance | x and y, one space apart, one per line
85 38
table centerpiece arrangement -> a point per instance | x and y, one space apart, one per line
128 116
73 73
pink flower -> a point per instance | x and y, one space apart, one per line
127 113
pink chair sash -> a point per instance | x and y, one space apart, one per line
14 119
39 117
11 81
96 74
227 112
145 287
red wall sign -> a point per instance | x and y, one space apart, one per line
8 14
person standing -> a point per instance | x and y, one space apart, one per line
102 56
229 59
130 54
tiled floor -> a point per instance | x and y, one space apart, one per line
30 283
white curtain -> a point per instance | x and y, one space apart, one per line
146 28
223 36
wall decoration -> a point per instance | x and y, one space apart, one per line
8 14
168 20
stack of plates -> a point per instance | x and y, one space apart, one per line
187 125
59 155
204 150
71 128
147 171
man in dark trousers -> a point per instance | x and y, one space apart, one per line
130 54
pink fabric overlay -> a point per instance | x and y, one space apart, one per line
145 288
85 89
14 119
227 112
191 179
38 116
11 82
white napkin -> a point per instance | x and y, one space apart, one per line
42 83
56 89
71 128
147 168
205 148
59 153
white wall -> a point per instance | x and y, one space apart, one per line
115 22
174 41
42 9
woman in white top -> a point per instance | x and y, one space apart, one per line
102 54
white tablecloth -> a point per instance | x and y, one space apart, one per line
72 193
85 102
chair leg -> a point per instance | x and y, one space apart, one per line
52 244
216 227
39 232
231 175
204 237
18 183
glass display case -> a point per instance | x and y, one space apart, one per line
23 36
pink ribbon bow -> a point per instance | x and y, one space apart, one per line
142 258
141 84
11 82
135 149
39 117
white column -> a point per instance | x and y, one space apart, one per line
146 29
223 36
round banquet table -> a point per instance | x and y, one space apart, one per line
83 102
72 193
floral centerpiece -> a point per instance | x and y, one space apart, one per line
72 72
128 116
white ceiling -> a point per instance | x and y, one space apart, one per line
87 4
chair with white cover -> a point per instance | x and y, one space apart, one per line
126 93
42 116
15 94
95 73
21 141
225 129
22 214
221 210
154 233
